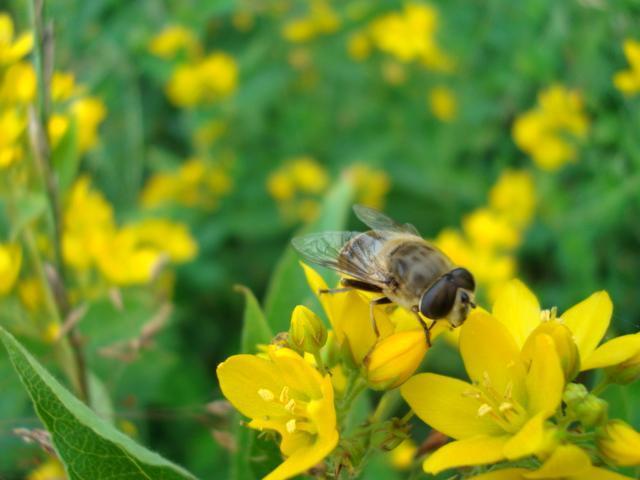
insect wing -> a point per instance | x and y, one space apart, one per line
379 221
359 260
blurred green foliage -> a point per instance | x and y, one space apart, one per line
584 237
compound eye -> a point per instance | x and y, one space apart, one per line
463 279
438 300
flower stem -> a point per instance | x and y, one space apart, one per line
43 61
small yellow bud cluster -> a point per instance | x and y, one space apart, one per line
296 187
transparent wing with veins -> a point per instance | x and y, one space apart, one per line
359 260
379 221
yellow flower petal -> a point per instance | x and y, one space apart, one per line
518 309
595 473
530 440
545 378
446 404
480 450
613 352
588 321
565 461
303 459
490 353
504 474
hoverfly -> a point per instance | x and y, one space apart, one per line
393 260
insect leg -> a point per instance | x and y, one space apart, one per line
373 303
427 329
360 285
334 290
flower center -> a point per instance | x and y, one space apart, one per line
294 411
500 407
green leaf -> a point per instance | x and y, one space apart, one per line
288 286
255 329
66 158
88 446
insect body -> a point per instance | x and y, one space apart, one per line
394 260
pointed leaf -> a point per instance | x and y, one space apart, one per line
88 446
255 329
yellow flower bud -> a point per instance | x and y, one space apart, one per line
394 359
307 333
564 343
583 406
620 443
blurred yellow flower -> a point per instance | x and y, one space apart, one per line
321 20
207 80
18 84
371 185
620 443
487 230
88 222
88 113
12 50
501 414
170 238
57 128
282 392
359 46
172 40
443 104
52 469
10 263
628 81
12 125
31 293
243 20
514 197
411 35
543 132
296 186
197 183
63 86
403 455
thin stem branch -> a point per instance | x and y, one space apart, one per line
43 61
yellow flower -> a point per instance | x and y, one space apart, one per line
88 223
567 462
628 81
12 50
322 19
620 443
308 175
443 103
487 229
280 186
10 262
518 309
371 185
514 197
12 125
52 469
542 132
286 394
133 254
208 80
19 84
31 293
501 414
359 46
402 456
63 86
173 39
88 112
57 128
